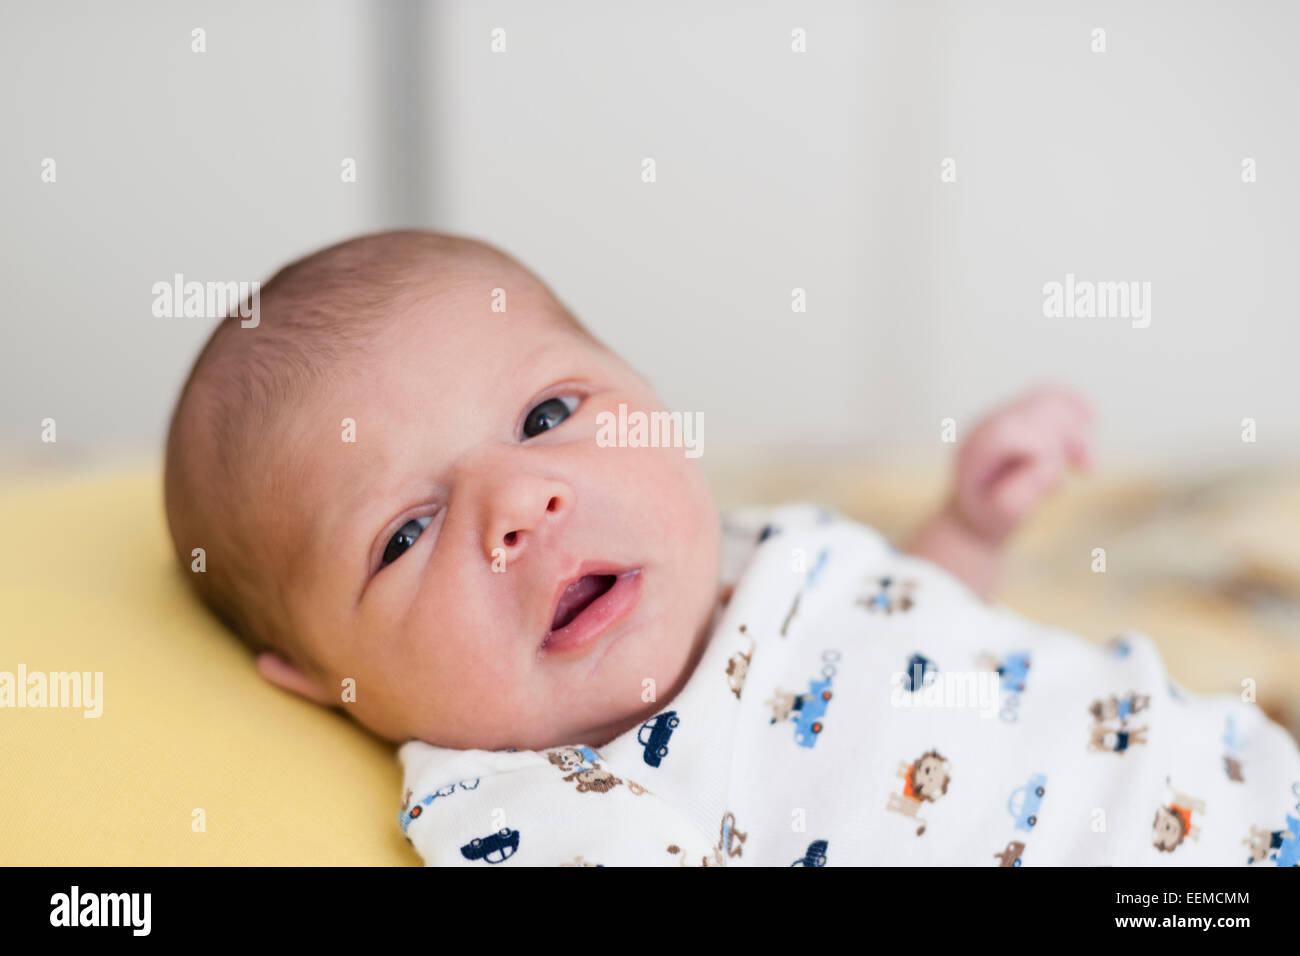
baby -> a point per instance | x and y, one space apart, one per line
395 480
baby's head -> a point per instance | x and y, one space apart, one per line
394 479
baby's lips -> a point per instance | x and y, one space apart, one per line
564 588
595 607
579 595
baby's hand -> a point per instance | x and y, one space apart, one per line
1017 456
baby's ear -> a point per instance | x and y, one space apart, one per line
283 674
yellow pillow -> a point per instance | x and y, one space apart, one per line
188 732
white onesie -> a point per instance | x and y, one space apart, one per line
859 706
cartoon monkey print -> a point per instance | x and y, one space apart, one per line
924 780
1173 822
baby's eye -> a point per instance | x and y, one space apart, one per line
404 538
548 414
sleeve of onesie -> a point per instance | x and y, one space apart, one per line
561 807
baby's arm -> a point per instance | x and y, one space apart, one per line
1013 459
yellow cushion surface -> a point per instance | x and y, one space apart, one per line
88 584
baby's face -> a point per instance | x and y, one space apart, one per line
435 549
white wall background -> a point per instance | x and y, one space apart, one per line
775 170
219 166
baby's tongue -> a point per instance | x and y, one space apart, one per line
578 595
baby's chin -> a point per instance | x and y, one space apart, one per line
671 675
621 690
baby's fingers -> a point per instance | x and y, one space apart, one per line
1021 490
1077 437
998 451
1078 452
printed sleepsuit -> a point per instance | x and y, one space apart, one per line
859 706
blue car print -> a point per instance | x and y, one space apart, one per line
1288 853
881 598
920 672
1024 802
1014 672
808 712
815 855
496 848
658 729
817 568
1230 739
406 817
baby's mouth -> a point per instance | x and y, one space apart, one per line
579 595
588 606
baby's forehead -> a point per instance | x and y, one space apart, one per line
444 335
472 321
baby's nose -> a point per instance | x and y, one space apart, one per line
523 513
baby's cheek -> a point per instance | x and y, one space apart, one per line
456 708
480 691
681 492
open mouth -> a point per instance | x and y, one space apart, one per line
587 607
579 595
